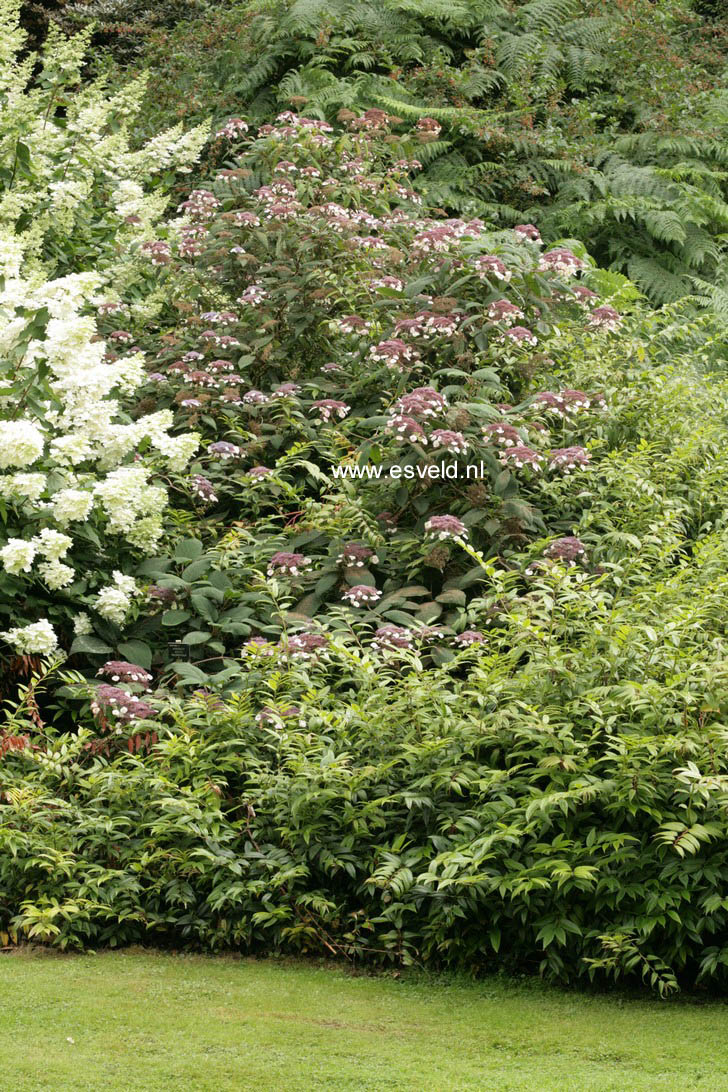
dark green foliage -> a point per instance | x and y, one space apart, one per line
711 9
124 26
35 18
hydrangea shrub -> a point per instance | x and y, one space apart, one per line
82 486
330 327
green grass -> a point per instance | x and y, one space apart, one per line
149 1021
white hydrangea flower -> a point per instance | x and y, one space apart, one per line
67 194
17 555
128 373
21 443
70 505
127 583
177 450
113 601
72 448
38 638
22 486
11 253
75 414
127 496
146 533
52 544
82 624
128 198
56 574
113 604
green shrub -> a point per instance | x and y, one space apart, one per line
417 328
597 121
552 798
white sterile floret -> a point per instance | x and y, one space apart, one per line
126 496
128 198
113 601
128 372
113 604
73 448
177 450
55 574
15 487
146 533
11 256
127 583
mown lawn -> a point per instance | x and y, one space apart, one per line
148 1021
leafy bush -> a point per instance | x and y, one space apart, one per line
537 778
401 377
77 471
125 25
601 122
407 716
553 797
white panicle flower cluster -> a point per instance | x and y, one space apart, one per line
113 602
71 505
20 487
52 544
38 638
76 160
70 455
130 199
66 195
172 148
86 434
11 253
126 496
82 624
21 443
18 554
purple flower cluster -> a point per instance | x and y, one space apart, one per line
488 267
569 459
519 456
203 489
288 564
391 638
125 672
123 707
568 549
444 527
330 407
356 556
560 260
